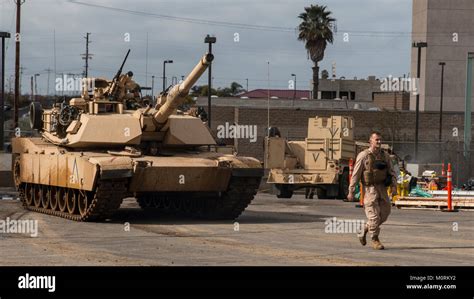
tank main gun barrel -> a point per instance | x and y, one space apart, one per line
178 93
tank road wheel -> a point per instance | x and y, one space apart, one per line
73 204
62 199
29 194
54 197
71 201
82 202
231 203
16 173
46 196
38 195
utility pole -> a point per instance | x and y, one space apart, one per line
146 62
3 35
22 70
152 87
54 53
36 88
17 62
87 56
32 95
247 90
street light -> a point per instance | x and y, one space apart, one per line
294 88
418 45
152 88
442 64
36 88
164 73
3 36
209 40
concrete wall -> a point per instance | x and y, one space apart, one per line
286 103
435 22
392 100
397 128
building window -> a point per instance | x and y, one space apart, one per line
345 94
328 95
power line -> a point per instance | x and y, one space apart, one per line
366 33
189 20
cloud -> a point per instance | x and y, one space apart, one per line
365 54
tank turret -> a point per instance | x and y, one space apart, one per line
102 119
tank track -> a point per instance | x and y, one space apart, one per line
106 199
227 205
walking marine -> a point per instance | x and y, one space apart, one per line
374 168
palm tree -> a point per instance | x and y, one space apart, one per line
316 31
236 88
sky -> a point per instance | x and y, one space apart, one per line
256 39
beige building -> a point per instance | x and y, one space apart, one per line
448 28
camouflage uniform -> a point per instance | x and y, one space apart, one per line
377 204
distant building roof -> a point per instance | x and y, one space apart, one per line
257 103
279 93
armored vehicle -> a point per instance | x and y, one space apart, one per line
94 152
321 161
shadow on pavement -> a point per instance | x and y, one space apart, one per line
138 216
434 247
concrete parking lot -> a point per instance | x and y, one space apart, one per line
270 232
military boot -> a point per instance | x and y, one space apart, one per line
376 243
362 237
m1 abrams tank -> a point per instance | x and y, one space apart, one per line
93 153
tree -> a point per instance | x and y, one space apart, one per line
201 90
325 74
224 92
236 88
316 31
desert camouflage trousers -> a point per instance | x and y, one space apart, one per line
377 207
